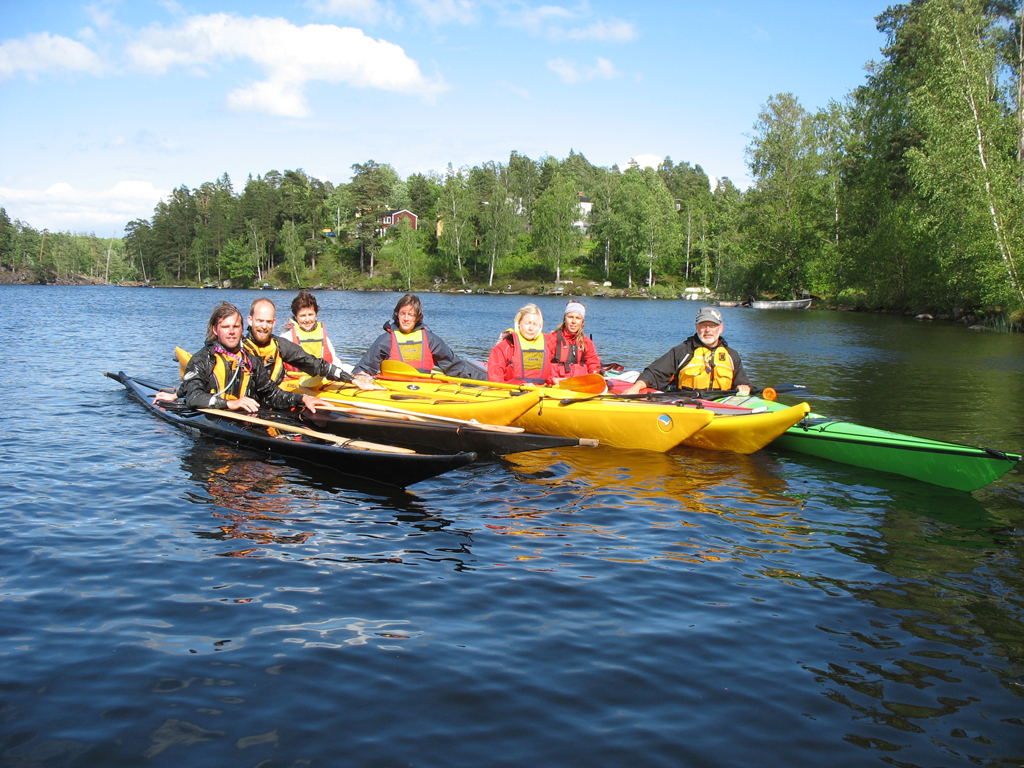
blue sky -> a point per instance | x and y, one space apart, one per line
105 107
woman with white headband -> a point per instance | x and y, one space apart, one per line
572 353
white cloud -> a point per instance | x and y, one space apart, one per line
644 161
443 11
101 14
43 52
517 90
614 30
63 208
369 11
555 22
289 55
569 72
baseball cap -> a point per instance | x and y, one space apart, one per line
709 315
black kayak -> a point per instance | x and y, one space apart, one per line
294 440
423 436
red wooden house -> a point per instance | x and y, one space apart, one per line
391 218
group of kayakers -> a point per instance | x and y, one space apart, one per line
240 372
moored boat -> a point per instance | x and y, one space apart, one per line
951 465
277 435
791 304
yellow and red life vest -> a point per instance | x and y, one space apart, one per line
313 341
270 355
707 369
231 375
412 349
571 357
529 361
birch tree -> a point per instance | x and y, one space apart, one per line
967 163
457 227
555 217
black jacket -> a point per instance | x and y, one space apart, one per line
662 372
199 380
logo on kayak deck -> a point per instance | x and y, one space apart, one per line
413 386
665 422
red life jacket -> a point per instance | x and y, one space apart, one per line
412 349
571 358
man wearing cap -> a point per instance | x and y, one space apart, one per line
704 361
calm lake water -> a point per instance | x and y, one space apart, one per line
169 602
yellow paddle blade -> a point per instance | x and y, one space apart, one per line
590 383
397 366
183 358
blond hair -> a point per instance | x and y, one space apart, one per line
529 309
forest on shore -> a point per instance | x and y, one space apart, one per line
906 194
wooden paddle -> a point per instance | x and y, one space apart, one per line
428 417
367 412
342 442
315 382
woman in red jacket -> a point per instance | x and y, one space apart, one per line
572 353
521 355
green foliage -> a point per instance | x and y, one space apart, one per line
557 211
236 263
294 255
905 194
966 165
458 232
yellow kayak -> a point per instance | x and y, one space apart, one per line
628 423
622 423
746 431
482 404
612 421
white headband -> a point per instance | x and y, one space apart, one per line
575 306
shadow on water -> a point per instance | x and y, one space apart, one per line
277 505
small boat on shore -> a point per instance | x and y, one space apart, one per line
792 304
277 434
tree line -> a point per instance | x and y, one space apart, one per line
904 194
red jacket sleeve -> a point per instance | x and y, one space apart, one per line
593 361
499 366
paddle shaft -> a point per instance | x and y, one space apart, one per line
340 441
396 370
686 396
380 408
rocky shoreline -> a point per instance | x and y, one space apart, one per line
974 321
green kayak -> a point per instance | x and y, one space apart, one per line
948 464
